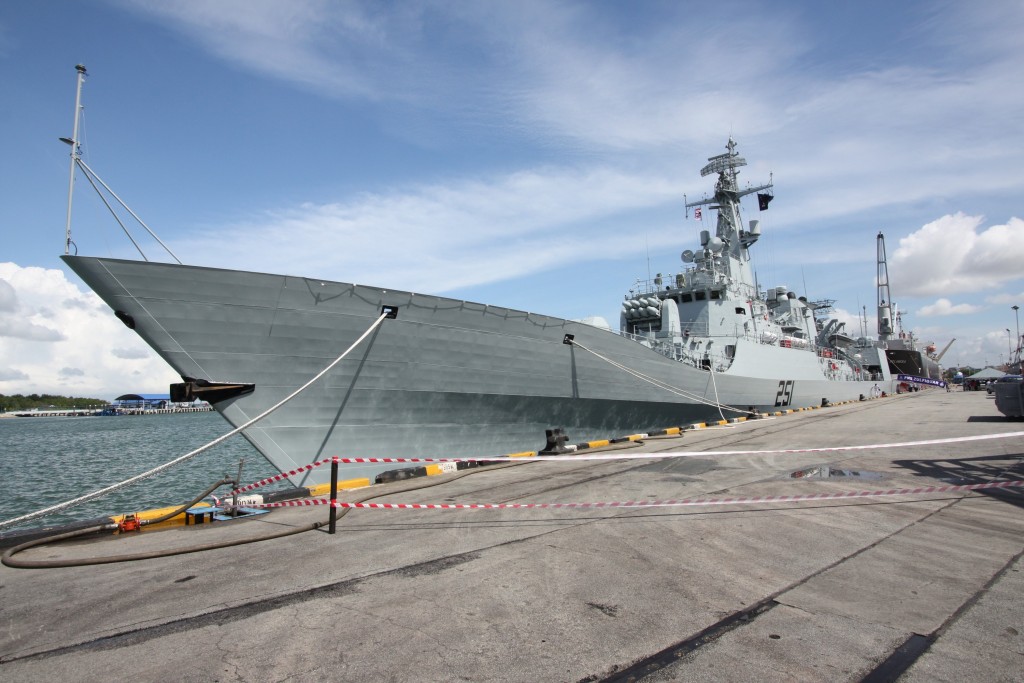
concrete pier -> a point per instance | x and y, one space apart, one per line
920 587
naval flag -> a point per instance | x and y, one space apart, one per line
762 201
696 213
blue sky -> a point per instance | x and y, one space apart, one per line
527 154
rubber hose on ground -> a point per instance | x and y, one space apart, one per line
9 560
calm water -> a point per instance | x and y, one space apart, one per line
47 460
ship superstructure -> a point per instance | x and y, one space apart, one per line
713 307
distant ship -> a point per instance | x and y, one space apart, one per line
442 377
902 349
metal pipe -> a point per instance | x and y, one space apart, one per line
1017 318
74 156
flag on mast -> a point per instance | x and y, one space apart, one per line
696 213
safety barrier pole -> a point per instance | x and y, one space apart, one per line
333 519
234 494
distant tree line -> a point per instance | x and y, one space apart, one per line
46 402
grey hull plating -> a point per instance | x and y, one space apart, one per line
445 378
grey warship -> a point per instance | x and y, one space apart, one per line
442 377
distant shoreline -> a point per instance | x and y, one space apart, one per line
98 412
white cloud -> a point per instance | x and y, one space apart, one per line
132 354
20 328
79 359
996 347
10 374
1005 298
950 256
438 238
8 298
563 69
947 307
579 74
582 75
19 322
341 49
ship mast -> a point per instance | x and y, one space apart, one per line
885 322
727 201
75 152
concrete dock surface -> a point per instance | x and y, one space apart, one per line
925 587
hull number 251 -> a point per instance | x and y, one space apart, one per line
785 394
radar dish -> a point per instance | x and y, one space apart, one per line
723 162
687 256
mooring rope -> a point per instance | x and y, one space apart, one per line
714 385
188 456
662 385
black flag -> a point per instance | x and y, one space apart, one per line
762 201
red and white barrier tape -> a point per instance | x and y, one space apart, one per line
684 454
283 475
807 497
576 456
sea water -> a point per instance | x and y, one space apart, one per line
48 460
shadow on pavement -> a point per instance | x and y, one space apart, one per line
977 470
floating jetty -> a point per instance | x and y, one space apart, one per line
897 571
66 412
108 411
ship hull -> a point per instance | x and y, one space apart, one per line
912 362
444 378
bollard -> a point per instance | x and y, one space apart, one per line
555 442
333 519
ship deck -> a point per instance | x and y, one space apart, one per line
832 590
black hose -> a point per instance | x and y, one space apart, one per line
9 560
8 557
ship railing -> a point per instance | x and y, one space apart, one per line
694 277
700 330
835 364
694 328
687 330
681 351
